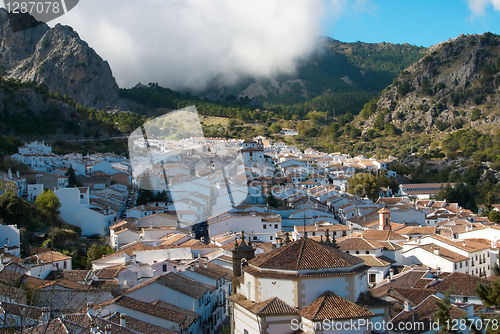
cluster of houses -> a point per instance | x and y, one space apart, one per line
323 256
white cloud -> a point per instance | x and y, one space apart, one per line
186 43
479 7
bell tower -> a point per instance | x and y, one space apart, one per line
384 219
240 252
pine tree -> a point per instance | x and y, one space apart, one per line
145 193
272 201
443 315
72 181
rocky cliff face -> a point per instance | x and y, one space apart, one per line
457 83
58 58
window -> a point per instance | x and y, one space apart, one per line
347 252
460 264
164 268
314 234
254 237
81 196
245 331
64 265
357 252
270 237
276 226
264 226
367 252
372 278
455 266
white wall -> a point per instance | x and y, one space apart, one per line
419 255
11 232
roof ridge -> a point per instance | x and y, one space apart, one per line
325 295
301 253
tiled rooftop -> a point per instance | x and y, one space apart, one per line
304 254
331 306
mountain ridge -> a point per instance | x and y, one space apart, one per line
58 58
456 84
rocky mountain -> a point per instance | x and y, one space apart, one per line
455 84
58 58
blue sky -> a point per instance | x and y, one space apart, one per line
418 22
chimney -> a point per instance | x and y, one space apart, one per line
407 306
90 310
9 174
5 249
198 263
17 174
205 264
436 251
122 320
391 274
45 314
175 269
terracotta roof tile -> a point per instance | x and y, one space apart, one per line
47 257
425 313
274 306
444 253
154 310
417 230
460 284
304 254
381 235
358 244
373 261
139 325
366 299
331 306
179 283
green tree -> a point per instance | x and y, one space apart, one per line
275 128
145 193
476 114
443 315
72 182
363 184
95 252
48 203
461 193
272 200
494 216
12 207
